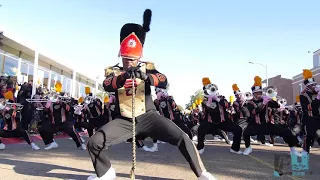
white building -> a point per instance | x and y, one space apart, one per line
28 64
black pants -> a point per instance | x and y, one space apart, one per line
89 127
150 124
26 118
139 141
99 121
267 129
311 127
229 126
47 130
183 127
19 132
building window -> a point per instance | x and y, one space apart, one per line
66 85
54 78
10 66
300 88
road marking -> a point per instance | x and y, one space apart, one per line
270 166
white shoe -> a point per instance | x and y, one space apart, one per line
109 175
206 176
82 140
145 148
162 142
247 151
155 147
201 151
235 152
34 146
252 140
195 138
53 145
83 146
2 146
242 141
267 144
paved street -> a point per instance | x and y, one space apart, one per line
19 162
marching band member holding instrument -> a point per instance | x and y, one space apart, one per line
241 115
217 117
295 123
310 104
58 114
81 120
11 113
261 120
148 121
93 108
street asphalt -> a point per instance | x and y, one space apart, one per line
19 162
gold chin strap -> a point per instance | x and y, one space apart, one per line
134 161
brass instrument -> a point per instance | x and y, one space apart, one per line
88 99
271 91
78 109
211 89
248 96
282 101
4 103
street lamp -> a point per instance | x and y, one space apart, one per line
266 67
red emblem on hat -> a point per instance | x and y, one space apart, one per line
131 47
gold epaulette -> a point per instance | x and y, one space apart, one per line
108 71
150 66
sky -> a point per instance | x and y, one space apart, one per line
188 39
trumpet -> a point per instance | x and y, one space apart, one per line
4 104
271 91
248 96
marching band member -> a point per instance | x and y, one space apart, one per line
295 123
310 104
12 124
241 112
93 108
261 120
81 120
166 106
57 112
217 117
149 122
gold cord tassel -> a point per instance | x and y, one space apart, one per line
132 172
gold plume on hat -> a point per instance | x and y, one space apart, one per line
106 99
150 66
206 81
87 90
235 87
307 74
257 81
298 98
80 100
58 87
8 95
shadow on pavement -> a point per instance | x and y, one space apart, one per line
32 169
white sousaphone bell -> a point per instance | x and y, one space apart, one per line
211 90
248 95
271 91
